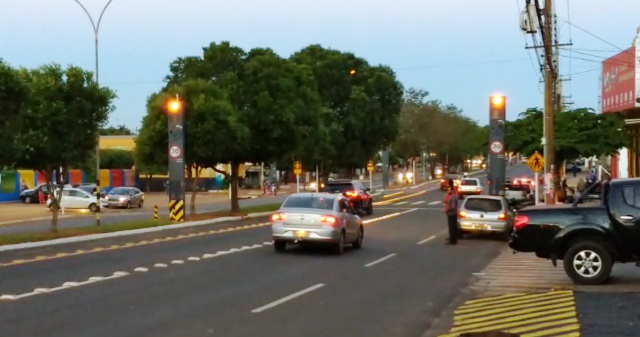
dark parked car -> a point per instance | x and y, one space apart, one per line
588 236
31 195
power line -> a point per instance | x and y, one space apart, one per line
584 72
571 45
526 44
594 35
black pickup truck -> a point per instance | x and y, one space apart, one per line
590 235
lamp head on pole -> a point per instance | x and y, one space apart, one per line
175 106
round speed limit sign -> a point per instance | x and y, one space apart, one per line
175 152
496 147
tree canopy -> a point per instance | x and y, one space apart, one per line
57 128
429 126
579 132
256 106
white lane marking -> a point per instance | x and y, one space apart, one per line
33 219
8 297
160 265
41 290
435 202
141 269
380 260
267 243
194 258
287 298
177 262
384 217
70 284
427 240
95 278
401 203
119 273
479 274
208 256
418 202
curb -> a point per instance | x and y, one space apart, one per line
92 237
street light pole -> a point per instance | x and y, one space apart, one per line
96 28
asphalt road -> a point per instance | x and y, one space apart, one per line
402 279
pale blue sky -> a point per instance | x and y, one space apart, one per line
460 51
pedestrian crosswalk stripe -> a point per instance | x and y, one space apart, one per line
537 314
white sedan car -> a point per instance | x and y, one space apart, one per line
75 198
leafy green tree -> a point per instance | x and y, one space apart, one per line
579 132
14 96
364 107
60 127
120 130
116 159
211 129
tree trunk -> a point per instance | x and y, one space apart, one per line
194 190
55 205
233 185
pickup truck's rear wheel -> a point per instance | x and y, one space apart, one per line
588 263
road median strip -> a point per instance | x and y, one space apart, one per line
81 234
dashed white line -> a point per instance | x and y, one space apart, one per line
427 240
287 298
70 284
160 265
208 256
141 269
177 262
194 258
435 202
418 202
380 260
401 203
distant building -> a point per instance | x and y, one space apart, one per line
118 143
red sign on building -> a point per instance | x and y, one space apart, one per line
619 88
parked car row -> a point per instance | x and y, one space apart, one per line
84 196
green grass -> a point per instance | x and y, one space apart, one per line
10 239
8 181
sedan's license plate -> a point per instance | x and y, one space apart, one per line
302 234
480 226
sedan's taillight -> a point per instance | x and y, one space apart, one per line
329 219
278 217
352 193
502 216
462 214
521 221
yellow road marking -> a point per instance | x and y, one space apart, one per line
18 261
521 299
533 315
392 194
399 198
515 321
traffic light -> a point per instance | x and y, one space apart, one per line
497 107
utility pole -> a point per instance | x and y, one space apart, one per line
549 96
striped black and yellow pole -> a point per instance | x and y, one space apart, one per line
155 213
178 211
172 204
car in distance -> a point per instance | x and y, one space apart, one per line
588 237
317 218
359 196
74 198
125 197
486 214
444 182
469 186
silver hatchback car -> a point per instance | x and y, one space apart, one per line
317 217
486 213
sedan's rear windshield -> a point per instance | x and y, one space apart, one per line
469 182
517 187
483 205
316 202
337 187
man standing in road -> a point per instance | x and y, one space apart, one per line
451 210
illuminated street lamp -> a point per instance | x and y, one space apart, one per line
352 72
174 106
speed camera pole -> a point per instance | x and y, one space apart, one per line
176 160
497 114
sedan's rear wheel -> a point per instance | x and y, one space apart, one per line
339 246
358 243
280 246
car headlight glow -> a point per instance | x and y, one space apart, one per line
438 171
400 176
122 199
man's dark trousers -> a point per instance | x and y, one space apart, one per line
452 222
